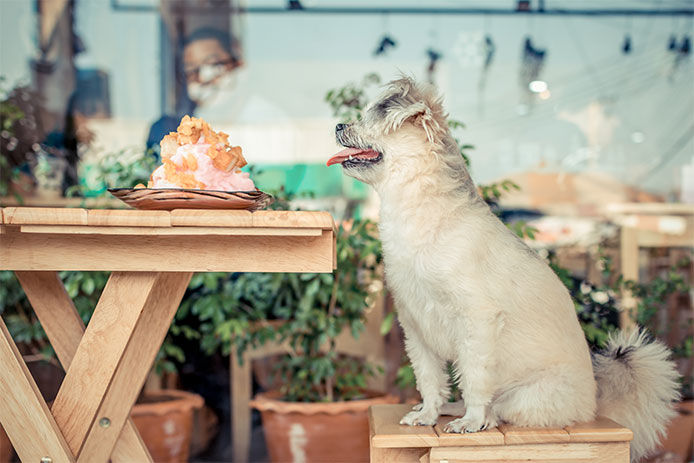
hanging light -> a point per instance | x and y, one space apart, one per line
385 44
672 43
538 86
626 46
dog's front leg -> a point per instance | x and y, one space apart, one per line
475 366
431 381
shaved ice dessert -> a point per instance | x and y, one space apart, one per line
197 157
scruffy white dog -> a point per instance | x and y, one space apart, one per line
468 290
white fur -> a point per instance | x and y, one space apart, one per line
466 288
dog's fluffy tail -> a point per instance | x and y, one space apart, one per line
637 387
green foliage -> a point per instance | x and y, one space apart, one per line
455 126
307 310
348 101
9 115
122 169
522 229
492 192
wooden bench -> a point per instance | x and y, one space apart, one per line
600 441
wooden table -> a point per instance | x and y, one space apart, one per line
152 255
601 441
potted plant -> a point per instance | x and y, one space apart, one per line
20 134
318 405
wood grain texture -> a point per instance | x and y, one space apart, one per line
167 231
147 336
128 218
301 219
99 353
555 452
44 216
629 255
532 435
177 217
399 455
601 430
241 391
23 413
25 251
487 437
210 218
56 312
384 420
64 329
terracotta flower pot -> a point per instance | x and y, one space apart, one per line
5 447
165 421
317 432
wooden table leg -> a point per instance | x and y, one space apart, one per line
112 360
629 256
23 412
64 329
241 379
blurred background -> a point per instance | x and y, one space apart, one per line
577 118
610 110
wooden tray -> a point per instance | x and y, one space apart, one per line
168 199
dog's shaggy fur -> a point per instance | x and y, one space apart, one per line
469 291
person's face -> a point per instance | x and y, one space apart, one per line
205 61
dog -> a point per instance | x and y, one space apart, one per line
469 291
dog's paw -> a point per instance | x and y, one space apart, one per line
469 424
417 407
420 418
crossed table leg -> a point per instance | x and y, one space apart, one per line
106 366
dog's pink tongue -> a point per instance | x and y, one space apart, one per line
342 155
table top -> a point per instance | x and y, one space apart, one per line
387 433
37 238
48 216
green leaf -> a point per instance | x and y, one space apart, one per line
88 286
387 323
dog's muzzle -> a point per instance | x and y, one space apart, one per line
352 156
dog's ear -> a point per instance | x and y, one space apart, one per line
420 114
418 104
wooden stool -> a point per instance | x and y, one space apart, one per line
600 441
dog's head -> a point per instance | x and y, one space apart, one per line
399 132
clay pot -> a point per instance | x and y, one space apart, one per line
165 421
317 432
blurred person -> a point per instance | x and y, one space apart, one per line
217 84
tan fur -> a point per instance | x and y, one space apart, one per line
467 289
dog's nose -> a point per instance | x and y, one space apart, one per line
340 127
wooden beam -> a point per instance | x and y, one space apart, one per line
196 253
64 329
99 353
23 412
127 380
